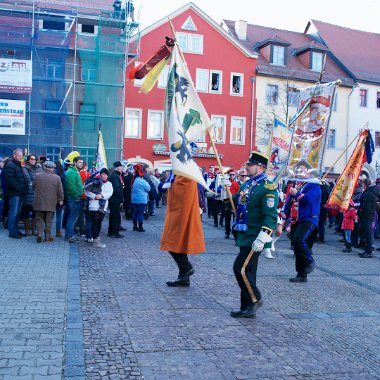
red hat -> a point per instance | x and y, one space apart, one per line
232 170
139 170
216 169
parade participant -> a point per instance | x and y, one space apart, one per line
16 188
218 204
74 190
305 227
115 201
183 232
256 217
98 205
348 224
234 188
48 193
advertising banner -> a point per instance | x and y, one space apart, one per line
12 117
16 76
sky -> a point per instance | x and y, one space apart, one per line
282 14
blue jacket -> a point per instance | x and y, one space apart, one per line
140 190
309 202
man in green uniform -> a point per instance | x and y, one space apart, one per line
256 218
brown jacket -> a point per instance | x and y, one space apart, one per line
48 191
183 226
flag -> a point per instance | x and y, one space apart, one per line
152 77
369 147
279 150
342 192
101 160
186 119
310 131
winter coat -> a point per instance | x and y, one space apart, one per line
74 185
117 185
107 191
183 226
368 203
15 181
30 173
48 191
349 219
127 179
140 190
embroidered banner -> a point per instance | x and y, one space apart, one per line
310 132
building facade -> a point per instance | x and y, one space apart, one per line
222 72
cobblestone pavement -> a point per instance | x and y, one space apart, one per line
77 312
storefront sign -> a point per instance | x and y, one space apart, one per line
159 148
12 117
16 76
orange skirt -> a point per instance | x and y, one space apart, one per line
183 231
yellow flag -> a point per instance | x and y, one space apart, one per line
152 77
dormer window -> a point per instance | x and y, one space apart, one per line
278 55
316 61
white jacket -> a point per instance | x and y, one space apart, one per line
107 191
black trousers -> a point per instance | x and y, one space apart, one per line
114 219
367 233
96 223
182 262
218 208
303 241
245 269
227 220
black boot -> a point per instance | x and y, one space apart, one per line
135 226
348 248
299 278
141 229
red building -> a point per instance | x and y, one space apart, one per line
223 74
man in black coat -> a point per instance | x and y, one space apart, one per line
17 188
115 201
368 204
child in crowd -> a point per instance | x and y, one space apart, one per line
348 225
94 185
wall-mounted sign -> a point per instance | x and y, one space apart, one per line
12 117
16 76
159 148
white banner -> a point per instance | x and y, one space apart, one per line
16 76
12 117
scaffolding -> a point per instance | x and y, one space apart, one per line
78 55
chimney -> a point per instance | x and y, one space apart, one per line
241 29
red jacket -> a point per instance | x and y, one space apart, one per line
349 219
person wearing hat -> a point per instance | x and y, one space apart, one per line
234 188
256 218
98 190
48 193
139 197
348 225
114 221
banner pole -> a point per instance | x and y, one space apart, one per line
208 130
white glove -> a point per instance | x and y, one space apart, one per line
258 244
225 180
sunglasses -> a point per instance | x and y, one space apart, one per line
242 175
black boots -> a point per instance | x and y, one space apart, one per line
141 229
182 280
348 248
248 312
299 278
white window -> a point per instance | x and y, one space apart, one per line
237 81
331 138
54 68
278 55
88 29
190 43
215 81
138 82
237 130
133 123
293 95
272 94
189 25
88 73
202 80
155 125
218 129
163 78
316 61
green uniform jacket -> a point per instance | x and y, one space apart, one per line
261 212
74 185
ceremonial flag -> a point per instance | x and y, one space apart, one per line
279 151
186 119
101 160
310 131
344 188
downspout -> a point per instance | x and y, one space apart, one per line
348 123
253 79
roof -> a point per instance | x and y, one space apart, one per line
258 35
358 51
211 22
